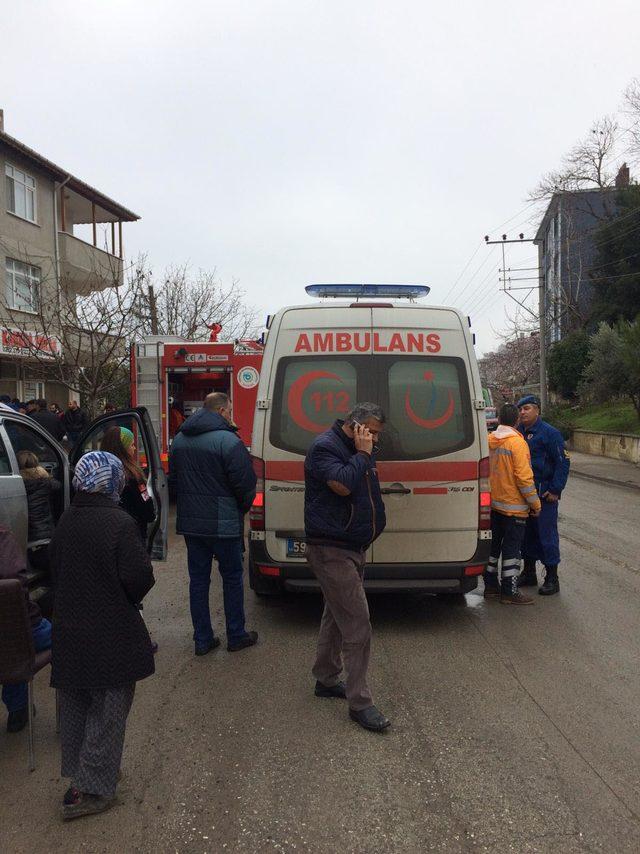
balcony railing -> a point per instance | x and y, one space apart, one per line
86 268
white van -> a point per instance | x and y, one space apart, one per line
418 363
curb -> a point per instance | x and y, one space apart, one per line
623 484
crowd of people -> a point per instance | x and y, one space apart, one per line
101 569
67 424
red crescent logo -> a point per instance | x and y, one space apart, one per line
433 423
294 399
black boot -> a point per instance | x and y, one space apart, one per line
551 584
528 577
491 584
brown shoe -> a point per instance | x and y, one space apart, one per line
516 598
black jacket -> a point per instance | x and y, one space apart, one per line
133 501
75 421
51 423
215 480
39 491
101 571
353 520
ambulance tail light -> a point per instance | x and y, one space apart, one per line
475 569
256 514
484 501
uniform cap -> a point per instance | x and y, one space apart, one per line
529 398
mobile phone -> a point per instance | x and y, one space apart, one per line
355 423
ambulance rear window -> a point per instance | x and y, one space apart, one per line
428 407
426 400
310 394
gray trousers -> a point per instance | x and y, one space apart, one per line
345 630
92 727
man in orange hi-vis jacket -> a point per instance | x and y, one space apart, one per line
513 500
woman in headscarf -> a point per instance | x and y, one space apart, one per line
101 646
135 498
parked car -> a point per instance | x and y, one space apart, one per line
21 433
491 415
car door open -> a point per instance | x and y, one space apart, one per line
147 456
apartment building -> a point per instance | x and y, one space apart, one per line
59 238
567 253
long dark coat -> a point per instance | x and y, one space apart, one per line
101 572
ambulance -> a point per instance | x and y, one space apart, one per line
375 343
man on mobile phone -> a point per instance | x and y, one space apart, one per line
344 514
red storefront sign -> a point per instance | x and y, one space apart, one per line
14 342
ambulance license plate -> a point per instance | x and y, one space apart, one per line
295 548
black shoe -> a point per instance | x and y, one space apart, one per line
203 650
338 690
551 583
528 576
250 640
370 718
76 804
18 720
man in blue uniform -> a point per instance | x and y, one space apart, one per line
550 463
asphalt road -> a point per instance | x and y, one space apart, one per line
513 729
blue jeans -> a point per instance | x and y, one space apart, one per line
228 553
15 696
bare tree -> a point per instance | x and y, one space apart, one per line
187 304
79 341
515 364
590 164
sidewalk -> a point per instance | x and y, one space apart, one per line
605 469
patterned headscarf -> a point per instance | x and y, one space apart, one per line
99 471
126 438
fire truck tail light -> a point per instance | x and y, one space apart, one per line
256 514
484 500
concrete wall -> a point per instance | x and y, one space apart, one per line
30 242
617 446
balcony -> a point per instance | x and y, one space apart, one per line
85 268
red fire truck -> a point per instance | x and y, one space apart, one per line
171 377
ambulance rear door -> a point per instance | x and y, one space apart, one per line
316 375
429 452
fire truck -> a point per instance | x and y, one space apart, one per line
171 377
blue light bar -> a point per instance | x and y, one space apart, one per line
397 291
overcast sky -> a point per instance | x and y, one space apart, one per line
290 142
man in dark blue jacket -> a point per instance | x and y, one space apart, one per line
215 485
550 464
343 515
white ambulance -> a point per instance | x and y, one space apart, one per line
416 361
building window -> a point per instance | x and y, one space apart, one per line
21 192
23 286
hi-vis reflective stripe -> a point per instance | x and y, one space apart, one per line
499 505
527 490
504 452
532 499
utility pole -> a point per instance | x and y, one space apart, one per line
541 316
